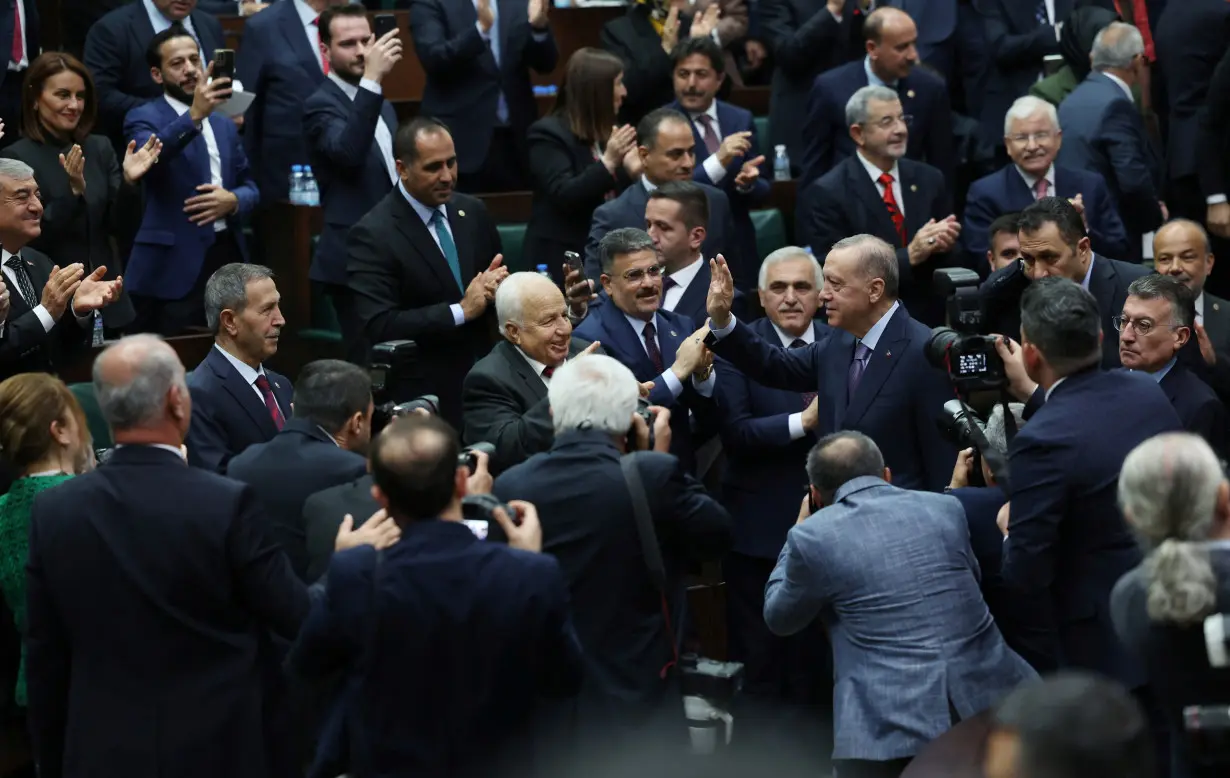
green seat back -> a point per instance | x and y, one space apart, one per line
99 430
762 135
770 232
512 238
324 324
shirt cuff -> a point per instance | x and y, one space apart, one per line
723 332
539 35
371 86
835 16
705 388
716 38
459 316
795 423
45 317
713 169
1216 199
672 382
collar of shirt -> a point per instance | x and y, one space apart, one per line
1054 386
638 326
4 256
160 22
872 338
307 14
180 108
179 452
534 364
1161 373
1127 90
1031 180
243 368
875 172
872 78
684 276
330 437
808 336
649 185
423 211
711 112
1200 307
1089 272
349 89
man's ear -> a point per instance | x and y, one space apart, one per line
888 475
379 496
459 481
156 74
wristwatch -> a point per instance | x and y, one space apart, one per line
705 375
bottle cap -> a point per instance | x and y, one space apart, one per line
779 148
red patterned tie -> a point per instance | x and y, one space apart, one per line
324 62
548 371
1040 187
19 37
890 202
271 402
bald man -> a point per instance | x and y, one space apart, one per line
504 396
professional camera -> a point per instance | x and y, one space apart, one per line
961 349
468 457
957 423
642 410
478 512
709 688
1208 726
391 361
385 412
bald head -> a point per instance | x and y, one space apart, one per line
534 317
891 36
139 382
841 457
1181 250
414 466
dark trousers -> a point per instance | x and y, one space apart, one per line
502 171
354 342
862 768
176 317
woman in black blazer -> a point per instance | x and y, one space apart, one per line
578 158
89 202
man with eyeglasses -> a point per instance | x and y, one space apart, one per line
1033 137
880 192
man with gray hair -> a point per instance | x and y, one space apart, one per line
238 401
877 191
625 628
891 575
1104 133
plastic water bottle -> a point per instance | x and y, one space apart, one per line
542 271
311 192
781 164
296 184
98 337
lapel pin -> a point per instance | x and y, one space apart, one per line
673 335
887 354
461 213
910 94
1216 306
913 187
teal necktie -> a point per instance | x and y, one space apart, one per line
447 245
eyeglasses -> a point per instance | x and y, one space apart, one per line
1036 137
1142 326
888 121
638 275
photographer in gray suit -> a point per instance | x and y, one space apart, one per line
892 575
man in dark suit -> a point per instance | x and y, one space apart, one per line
890 61
115 53
1103 133
872 377
1054 243
195 198
667 149
349 129
1005 245
1181 249
1033 139
237 401
477 55
46 312
879 192
432 277
656 345
488 618
323 514
182 604
19 28
624 625
727 148
323 445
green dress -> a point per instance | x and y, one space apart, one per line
14 549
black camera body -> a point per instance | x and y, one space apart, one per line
955 425
963 349
468 457
481 507
393 366
385 412
642 410
709 678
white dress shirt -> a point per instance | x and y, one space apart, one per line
1088 273
712 165
25 54
682 278
872 338
425 213
668 377
1127 90
875 174
308 16
215 156
795 420
872 78
44 316
249 375
1200 308
535 365
384 137
1031 180
160 23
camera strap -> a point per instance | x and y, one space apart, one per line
649 546
1009 419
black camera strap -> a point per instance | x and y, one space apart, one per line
649 546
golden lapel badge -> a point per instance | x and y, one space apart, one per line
910 94
913 187
461 213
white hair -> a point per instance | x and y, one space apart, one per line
1028 107
857 106
996 430
15 169
1115 46
785 254
593 391
511 293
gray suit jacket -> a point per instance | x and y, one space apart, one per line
892 574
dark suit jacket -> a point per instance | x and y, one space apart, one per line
30 30
896 403
323 513
732 119
1213 143
119 618
845 201
77 17
169 250
692 302
227 416
474 632
1189 38
115 54
585 508
348 164
647 67
279 66
1004 191
765 475
463 79
923 96
26 347
1217 321
1018 44
403 289
80 229
1103 133
1200 412
1067 541
295 464
505 404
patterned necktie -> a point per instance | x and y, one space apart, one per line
24 285
18 52
547 372
712 144
1040 187
668 284
1041 14
857 366
807 396
271 402
324 61
447 246
651 346
890 203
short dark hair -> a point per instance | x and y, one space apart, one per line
693 204
841 457
414 462
1182 301
649 127
706 46
330 392
625 240
1075 725
350 10
1057 211
405 145
1062 320
153 52
1008 222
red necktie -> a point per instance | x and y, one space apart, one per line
324 63
548 371
271 402
1040 187
890 202
19 37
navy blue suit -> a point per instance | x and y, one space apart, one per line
1199 409
923 96
277 63
896 403
732 119
1004 191
936 21
1067 542
169 251
692 302
227 416
608 324
472 632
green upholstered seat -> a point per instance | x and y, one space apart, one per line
770 232
512 238
99 430
762 135
324 324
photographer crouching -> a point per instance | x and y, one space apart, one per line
1176 497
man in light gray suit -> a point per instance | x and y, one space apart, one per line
892 575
